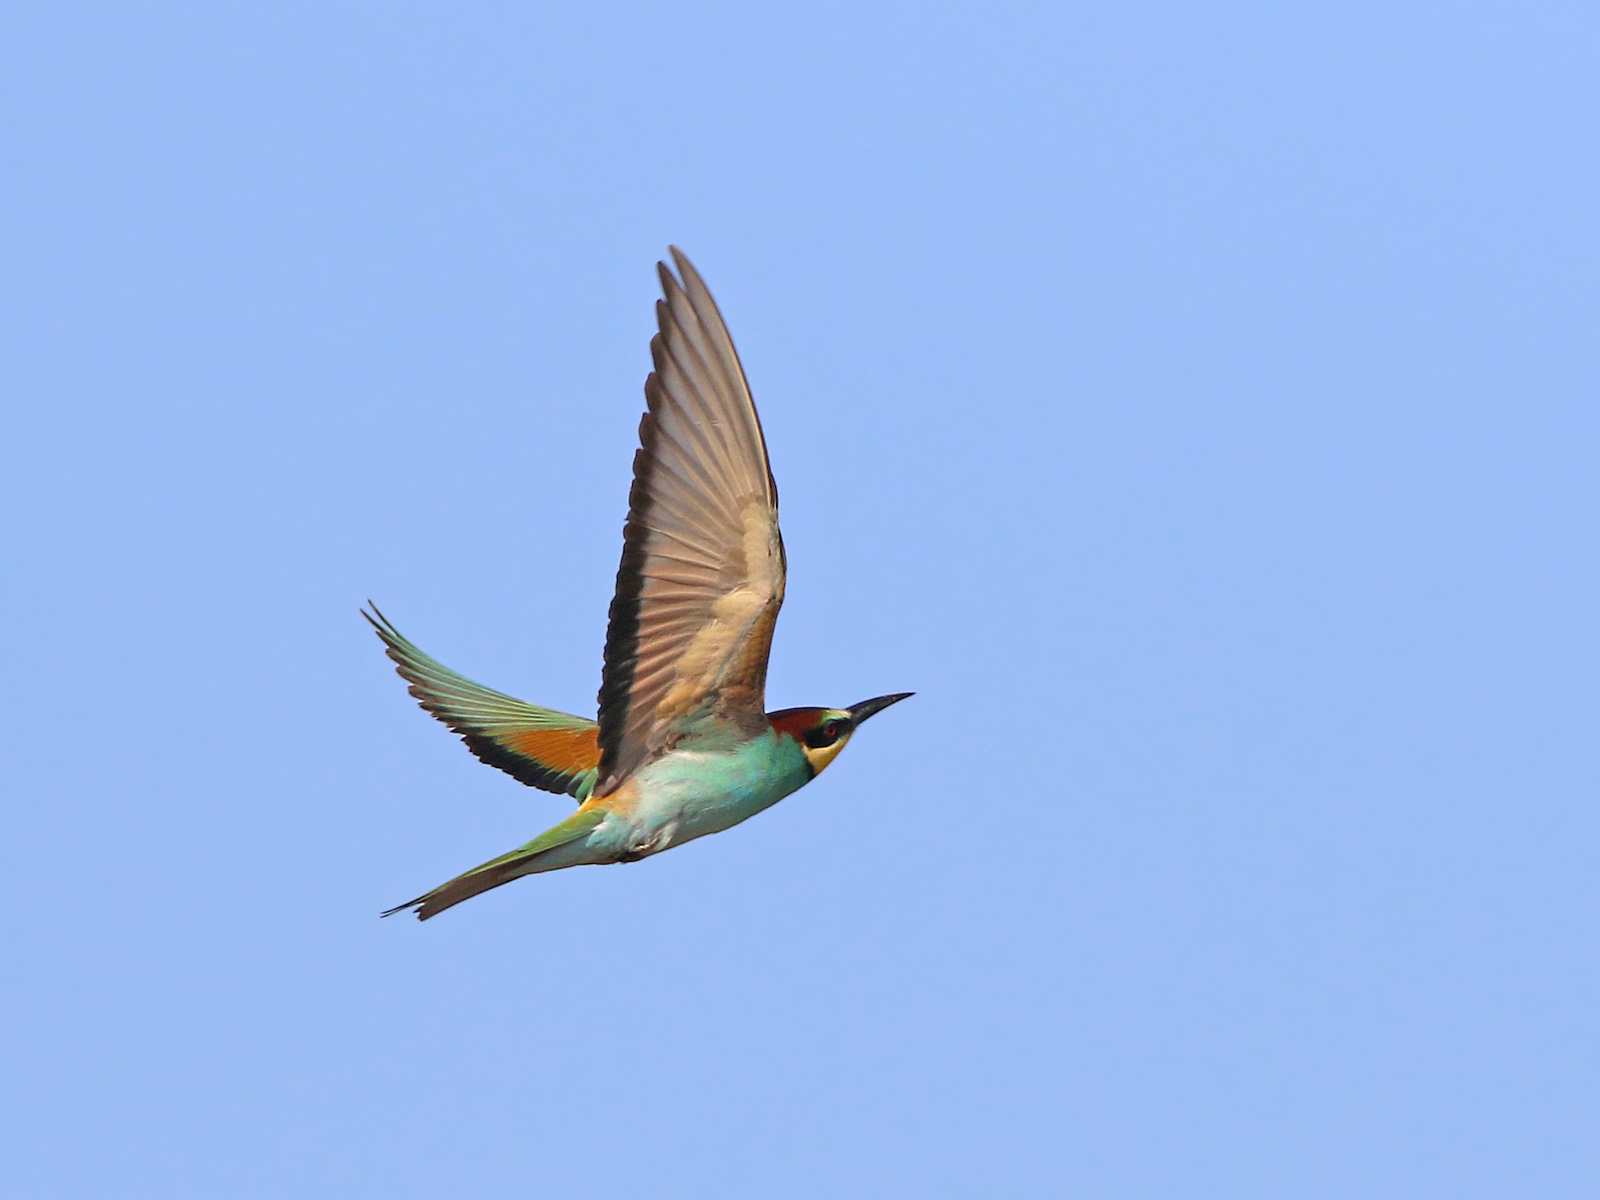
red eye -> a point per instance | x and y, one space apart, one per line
826 734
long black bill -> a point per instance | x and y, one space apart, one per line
860 712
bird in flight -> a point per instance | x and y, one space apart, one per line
683 745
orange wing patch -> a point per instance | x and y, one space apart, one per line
572 752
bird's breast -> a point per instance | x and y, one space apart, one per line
689 793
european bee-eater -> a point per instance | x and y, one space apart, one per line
683 745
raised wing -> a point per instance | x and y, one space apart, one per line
538 746
702 570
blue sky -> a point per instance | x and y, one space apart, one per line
1194 405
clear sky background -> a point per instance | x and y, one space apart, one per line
1196 405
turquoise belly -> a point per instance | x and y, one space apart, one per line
706 792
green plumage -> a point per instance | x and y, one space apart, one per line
509 866
540 747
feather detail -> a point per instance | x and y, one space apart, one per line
537 746
702 571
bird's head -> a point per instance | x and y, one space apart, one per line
822 732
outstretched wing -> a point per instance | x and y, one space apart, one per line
702 570
538 746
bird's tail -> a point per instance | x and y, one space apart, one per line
538 855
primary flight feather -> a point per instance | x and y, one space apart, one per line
683 745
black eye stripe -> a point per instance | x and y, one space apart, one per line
826 734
